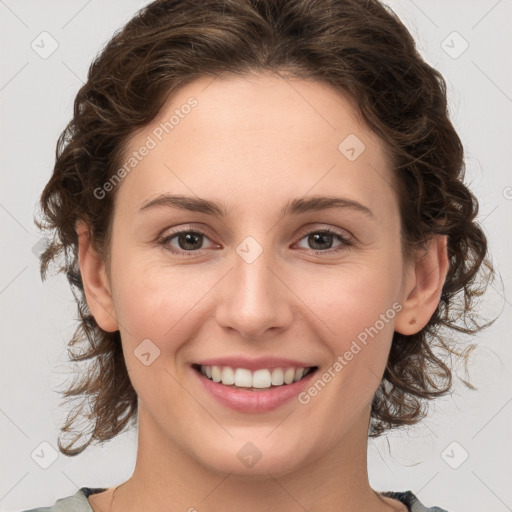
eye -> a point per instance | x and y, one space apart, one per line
189 241
321 240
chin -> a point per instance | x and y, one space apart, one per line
246 459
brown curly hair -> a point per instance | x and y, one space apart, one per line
359 47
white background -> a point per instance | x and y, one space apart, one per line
38 319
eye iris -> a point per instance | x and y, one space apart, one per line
316 236
186 239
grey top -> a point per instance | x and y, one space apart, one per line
79 502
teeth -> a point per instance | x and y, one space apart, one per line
216 374
243 378
277 377
228 376
289 374
259 379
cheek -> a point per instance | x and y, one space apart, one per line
354 296
156 301
356 309
155 306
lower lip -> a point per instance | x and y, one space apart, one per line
253 401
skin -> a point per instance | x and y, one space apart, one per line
255 143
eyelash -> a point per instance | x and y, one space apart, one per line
346 242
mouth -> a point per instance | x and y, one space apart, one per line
263 379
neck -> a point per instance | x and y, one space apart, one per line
166 474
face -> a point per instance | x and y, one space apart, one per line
257 287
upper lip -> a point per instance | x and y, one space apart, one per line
254 363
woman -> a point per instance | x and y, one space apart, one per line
262 212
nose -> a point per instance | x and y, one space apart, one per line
254 299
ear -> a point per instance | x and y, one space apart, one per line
95 281
424 282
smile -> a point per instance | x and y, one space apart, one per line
264 378
258 391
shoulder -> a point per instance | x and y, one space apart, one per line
78 502
409 499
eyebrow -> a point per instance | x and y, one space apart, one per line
294 207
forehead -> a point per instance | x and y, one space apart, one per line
259 136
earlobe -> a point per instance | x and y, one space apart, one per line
423 287
96 284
